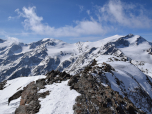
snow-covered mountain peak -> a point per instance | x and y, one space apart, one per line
50 39
8 42
46 42
51 54
110 39
130 35
135 39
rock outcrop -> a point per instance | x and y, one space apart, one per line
15 96
29 103
96 98
2 84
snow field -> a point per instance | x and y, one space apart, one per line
60 100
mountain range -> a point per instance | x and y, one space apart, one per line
122 63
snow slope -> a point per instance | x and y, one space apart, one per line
129 81
146 68
60 100
37 58
18 59
137 49
12 87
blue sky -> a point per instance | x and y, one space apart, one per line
74 20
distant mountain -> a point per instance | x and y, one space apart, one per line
124 63
19 59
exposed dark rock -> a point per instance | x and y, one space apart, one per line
150 51
15 96
29 100
29 103
56 76
94 62
2 84
40 83
43 95
98 99
107 68
21 110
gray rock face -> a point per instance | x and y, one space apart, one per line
29 100
2 84
95 98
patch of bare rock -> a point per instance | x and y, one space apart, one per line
2 84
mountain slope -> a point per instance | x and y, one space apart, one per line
18 59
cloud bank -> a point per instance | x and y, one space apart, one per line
128 15
113 15
34 22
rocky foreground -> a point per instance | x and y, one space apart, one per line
95 97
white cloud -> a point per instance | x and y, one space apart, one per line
81 8
88 12
84 39
34 22
124 14
10 17
2 32
111 17
12 39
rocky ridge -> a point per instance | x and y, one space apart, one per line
29 103
95 98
